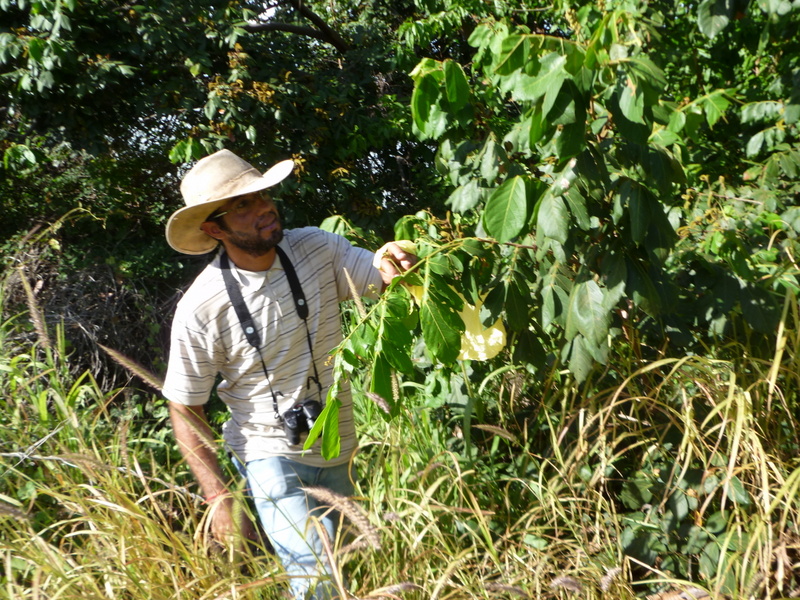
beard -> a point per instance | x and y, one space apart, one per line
253 244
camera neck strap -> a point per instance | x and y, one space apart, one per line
249 327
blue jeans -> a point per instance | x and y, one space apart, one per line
285 513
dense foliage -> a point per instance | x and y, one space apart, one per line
615 182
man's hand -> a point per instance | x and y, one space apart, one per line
225 527
393 260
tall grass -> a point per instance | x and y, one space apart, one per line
683 477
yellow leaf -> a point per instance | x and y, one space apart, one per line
477 342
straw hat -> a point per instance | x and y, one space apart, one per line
206 187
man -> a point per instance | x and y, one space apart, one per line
262 379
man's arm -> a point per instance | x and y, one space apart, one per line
197 444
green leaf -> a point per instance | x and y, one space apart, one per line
327 424
490 161
423 105
577 206
212 104
754 144
186 151
587 313
676 121
715 104
547 83
517 304
580 359
529 349
637 201
456 85
552 218
614 274
631 101
568 107
513 54
717 522
466 197
331 441
737 492
713 16
570 140
776 7
506 211
759 309
36 48
441 324
758 112
381 379
538 125
636 493
555 296
392 332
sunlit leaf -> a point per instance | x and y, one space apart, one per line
513 54
506 211
631 101
713 16
547 82
553 218
587 313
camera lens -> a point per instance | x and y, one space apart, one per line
311 409
294 423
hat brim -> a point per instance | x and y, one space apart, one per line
183 228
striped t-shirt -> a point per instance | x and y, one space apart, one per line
207 339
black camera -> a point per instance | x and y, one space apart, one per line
300 419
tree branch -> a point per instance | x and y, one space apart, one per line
287 27
323 31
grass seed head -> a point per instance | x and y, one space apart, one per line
349 509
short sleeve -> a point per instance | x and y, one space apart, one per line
358 264
191 369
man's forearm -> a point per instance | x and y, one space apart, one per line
198 446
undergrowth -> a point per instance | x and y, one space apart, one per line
683 476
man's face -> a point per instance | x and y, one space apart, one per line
250 223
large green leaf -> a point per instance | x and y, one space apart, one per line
587 313
440 321
427 116
456 85
552 218
546 83
514 52
580 359
715 104
506 211
577 206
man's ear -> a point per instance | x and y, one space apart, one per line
212 229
